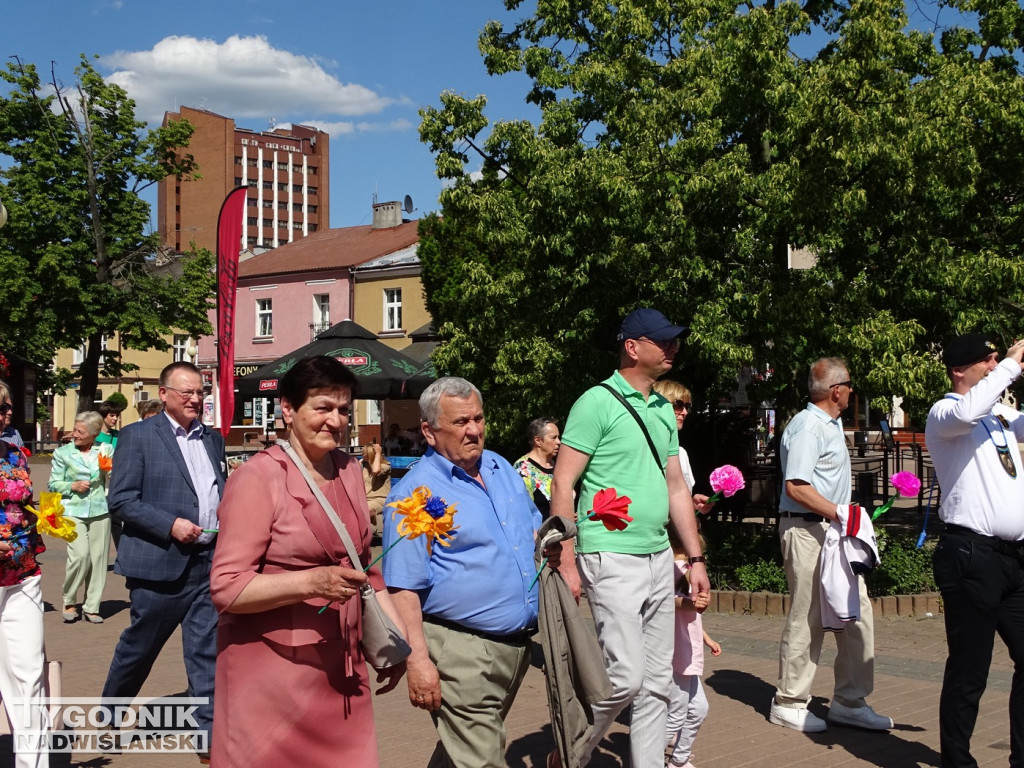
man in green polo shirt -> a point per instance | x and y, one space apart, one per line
627 574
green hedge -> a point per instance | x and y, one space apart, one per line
747 556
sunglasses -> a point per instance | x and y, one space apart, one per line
679 405
5 408
846 383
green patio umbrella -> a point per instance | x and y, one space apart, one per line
382 372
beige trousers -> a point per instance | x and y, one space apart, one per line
87 562
800 648
479 682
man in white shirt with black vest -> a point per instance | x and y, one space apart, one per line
979 561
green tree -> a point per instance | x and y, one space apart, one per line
78 260
683 148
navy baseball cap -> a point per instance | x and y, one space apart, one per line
650 324
966 350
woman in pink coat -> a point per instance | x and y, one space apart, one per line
292 686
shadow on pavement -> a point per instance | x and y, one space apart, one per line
884 749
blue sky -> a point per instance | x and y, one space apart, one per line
359 70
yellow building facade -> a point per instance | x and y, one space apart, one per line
388 300
136 386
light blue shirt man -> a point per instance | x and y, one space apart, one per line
814 450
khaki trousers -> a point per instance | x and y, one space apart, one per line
479 682
800 648
87 562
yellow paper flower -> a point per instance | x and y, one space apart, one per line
51 520
425 515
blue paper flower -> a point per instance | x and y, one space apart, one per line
435 507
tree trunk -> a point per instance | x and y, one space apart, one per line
89 373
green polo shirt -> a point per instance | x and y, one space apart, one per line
599 426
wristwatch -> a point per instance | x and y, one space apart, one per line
698 559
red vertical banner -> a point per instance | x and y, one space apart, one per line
229 245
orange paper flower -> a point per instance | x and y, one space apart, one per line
106 463
425 515
51 520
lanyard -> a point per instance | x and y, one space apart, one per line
1005 458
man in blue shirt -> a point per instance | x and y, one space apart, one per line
468 606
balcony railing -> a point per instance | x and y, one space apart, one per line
315 328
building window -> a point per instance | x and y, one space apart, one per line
321 313
251 162
252 221
312 227
264 317
312 190
392 309
238 160
180 347
251 182
78 355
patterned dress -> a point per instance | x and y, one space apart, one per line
16 525
538 482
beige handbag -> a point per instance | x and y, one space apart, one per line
382 642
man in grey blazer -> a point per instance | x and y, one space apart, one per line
167 480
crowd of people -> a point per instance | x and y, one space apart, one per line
271 578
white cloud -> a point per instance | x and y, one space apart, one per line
401 124
243 77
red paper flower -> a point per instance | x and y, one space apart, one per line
611 509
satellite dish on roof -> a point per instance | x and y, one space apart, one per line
407 204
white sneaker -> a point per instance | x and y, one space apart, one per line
797 718
858 717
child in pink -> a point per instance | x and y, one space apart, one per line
687 706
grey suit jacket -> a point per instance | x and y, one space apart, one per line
150 488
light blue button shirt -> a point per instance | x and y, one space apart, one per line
200 469
482 579
813 449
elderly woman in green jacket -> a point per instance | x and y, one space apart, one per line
76 475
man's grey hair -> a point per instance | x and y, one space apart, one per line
91 420
826 371
446 386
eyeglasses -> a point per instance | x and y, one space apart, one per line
679 405
186 394
846 383
5 408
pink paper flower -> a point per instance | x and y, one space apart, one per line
726 480
906 483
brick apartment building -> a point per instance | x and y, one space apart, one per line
286 170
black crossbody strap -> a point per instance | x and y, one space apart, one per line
640 422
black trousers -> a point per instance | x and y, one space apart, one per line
983 593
